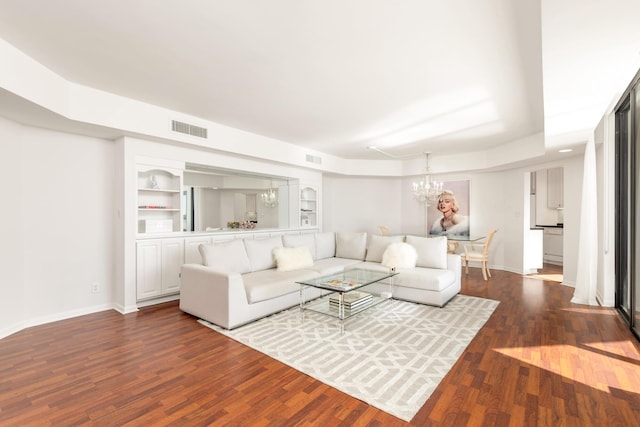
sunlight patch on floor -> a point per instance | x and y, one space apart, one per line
600 368
595 310
624 349
552 277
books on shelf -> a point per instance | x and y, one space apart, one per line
352 300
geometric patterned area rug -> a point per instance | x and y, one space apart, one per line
391 356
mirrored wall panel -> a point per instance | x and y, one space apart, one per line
217 199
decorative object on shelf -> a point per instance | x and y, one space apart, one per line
270 198
153 183
244 225
426 190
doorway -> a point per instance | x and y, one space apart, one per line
547 213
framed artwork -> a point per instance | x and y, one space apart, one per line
449 215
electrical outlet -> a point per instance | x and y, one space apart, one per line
95 287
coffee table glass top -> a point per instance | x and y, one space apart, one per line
344 301
347 281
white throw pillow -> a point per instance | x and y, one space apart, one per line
351 245
289 259
378 244
399 255
229 256
432 251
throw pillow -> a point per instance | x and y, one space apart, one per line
351 245
229 256
289 259
399 255
377 245
432 251
260 252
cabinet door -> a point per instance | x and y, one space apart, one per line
148 269
554 188
172 260
191 251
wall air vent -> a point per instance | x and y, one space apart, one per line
188 129
314 159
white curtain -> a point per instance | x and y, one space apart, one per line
587 276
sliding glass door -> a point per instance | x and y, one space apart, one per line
634 213
627 183
623 243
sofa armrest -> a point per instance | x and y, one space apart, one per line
208 293
454 263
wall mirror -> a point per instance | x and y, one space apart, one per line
217 199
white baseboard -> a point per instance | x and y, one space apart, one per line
159 300
125 309
53 318
11 329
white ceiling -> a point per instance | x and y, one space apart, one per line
340 76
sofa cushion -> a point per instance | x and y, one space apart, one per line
290 259
333 265
432 251
399 255
325 245
429 279
296 240
229 256
267 284
351 245
378 244
260 252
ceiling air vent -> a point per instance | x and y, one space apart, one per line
188 129
314 159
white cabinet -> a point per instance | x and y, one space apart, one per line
553 245
172 260
158 265
308 207
555 193
159 199
148 269
191 251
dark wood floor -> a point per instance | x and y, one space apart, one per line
539 360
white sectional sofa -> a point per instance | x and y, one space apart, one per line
243 280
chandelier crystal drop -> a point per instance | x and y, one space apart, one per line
427 190
269 198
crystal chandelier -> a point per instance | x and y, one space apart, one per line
269 198
427 190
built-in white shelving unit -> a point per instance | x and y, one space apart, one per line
308 207
159 199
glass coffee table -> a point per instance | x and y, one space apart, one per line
348 296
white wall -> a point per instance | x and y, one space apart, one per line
58 235
12 304
361 204
573 177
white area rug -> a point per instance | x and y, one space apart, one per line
391 356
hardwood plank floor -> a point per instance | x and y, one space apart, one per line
539 360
